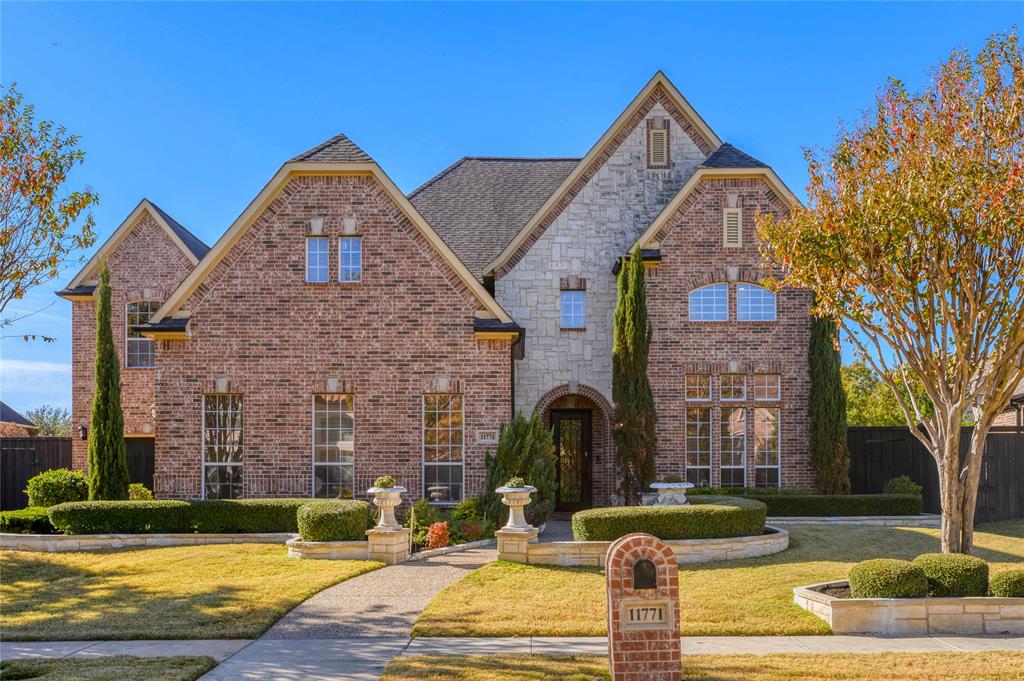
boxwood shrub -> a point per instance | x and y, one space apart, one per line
333 520
702 518
887 578
31 520
954 574
1007 584
57 486
784 503
170 516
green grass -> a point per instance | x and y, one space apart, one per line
119 667
214 591
848 667
742 597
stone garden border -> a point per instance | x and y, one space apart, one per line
968 615
56 543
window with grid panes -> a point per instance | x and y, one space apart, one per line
139 350
766 447
734 447
733 387
698 446
698 387
222 446
442 447
333 446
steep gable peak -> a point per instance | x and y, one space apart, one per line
338 149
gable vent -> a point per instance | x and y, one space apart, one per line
659 148
733 228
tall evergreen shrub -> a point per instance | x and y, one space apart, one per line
525 449
829 456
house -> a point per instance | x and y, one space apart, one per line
1013 415
13 424
340 330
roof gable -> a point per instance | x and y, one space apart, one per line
728 156
8 415
337 149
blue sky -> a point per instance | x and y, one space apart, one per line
195 105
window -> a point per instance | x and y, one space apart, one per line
698 446
317 269
222 446
574 310
139 350
754 303
333 446
698 387
657 148
734 387
734 447
732 226
351 259
766 447
442 447
710 303
765 386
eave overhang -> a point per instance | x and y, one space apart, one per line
651 258
172 328
495 329
84 292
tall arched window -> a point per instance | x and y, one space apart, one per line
138 350
710 303
754 303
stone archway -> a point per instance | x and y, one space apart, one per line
585 399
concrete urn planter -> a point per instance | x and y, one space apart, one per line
387 499
516 498
672 493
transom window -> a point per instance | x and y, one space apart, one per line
333 446
442 447
765 386
317 268
351 259
698 387
698 446
754 303
766 447
222 446
734 447
710 303
574 310
734 387
139 351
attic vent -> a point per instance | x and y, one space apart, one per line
657 143
733 228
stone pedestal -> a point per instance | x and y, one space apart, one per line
512 543
389 545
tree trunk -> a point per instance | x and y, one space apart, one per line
972 478
947 455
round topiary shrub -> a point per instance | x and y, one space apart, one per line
139 492
333 520
954 574
887 578
902 485
57 486
1007 584
702 518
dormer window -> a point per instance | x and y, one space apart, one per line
657 143
732 226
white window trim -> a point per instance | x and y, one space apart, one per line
340 260
721 389
686 389
689 306
423 451
738 212
202 445
328 240
721 438
561 307
778 447
312 445
778 392
128 338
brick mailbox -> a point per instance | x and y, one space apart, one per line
643 610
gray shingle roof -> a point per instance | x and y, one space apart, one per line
478 204
728 156
338 149
191 241
8 415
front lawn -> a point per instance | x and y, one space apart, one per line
849 667
733 598
118 667
214 591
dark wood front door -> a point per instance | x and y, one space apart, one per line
572 445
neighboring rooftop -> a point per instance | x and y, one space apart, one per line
728 156
479 203
191 241
8 415
338 149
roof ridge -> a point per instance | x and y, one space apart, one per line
444 172
340 139
320 147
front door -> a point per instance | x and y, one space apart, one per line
572 446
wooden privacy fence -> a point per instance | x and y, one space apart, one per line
878 454
24 457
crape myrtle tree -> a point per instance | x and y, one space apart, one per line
635 415
913 239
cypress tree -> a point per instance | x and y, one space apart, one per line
108 468
525 449
635 414
829 456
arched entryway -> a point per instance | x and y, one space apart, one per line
579 417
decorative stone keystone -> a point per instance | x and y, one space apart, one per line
672 493
517 533
387 499
389 542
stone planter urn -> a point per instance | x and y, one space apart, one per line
387 499
516 498
672 493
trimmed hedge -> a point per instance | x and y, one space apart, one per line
887 578
1007 584
333 520
702 518
57 486
954 574
31 520
167 516
783 503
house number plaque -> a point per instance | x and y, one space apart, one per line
646 614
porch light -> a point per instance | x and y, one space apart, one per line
83 432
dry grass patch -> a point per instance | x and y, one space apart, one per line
118 667
214 591
849 667
733 598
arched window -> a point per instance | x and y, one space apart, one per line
710 303
754 303
138 350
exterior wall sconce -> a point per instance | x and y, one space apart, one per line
83 432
